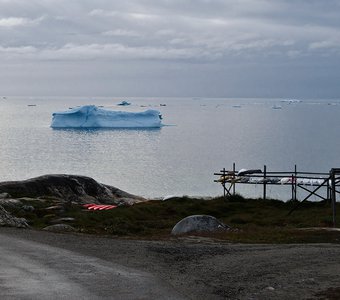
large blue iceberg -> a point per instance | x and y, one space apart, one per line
90 116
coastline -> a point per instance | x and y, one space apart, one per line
276 260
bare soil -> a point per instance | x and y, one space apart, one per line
204 268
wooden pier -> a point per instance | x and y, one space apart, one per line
322 185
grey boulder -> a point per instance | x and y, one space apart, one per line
198 223
6 219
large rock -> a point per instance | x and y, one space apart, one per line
197 224
6 219
67 188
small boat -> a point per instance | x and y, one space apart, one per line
277 107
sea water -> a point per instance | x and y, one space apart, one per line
204 135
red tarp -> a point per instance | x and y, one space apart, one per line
93 206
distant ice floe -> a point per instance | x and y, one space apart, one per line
290 101
124 103
90 116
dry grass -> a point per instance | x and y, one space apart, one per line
252 220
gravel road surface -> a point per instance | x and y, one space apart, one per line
36 263
31 270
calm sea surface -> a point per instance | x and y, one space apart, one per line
207 135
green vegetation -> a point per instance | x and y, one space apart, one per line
252 220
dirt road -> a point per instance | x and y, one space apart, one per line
31 270
198 268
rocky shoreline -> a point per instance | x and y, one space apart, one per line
67 188
197 267
61 188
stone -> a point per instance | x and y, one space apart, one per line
6 219
10 203
62 220
60 228
4 196
28 208
197 224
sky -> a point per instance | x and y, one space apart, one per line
170 48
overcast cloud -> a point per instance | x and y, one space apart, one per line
216 48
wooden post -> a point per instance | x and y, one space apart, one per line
264 182
234 185
292 178
223 182
295 187
328 192
333 197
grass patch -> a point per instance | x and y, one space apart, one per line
252 220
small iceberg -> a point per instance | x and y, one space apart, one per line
90 116
290 101
277 107
124 103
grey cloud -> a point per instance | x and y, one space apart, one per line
16 22
222 25
325 44
245 36
74 52
121 32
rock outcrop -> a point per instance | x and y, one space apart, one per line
6 219
197 224
68 188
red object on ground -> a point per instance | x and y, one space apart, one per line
93 206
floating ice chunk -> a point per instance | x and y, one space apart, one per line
124 103
290 101
90 116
